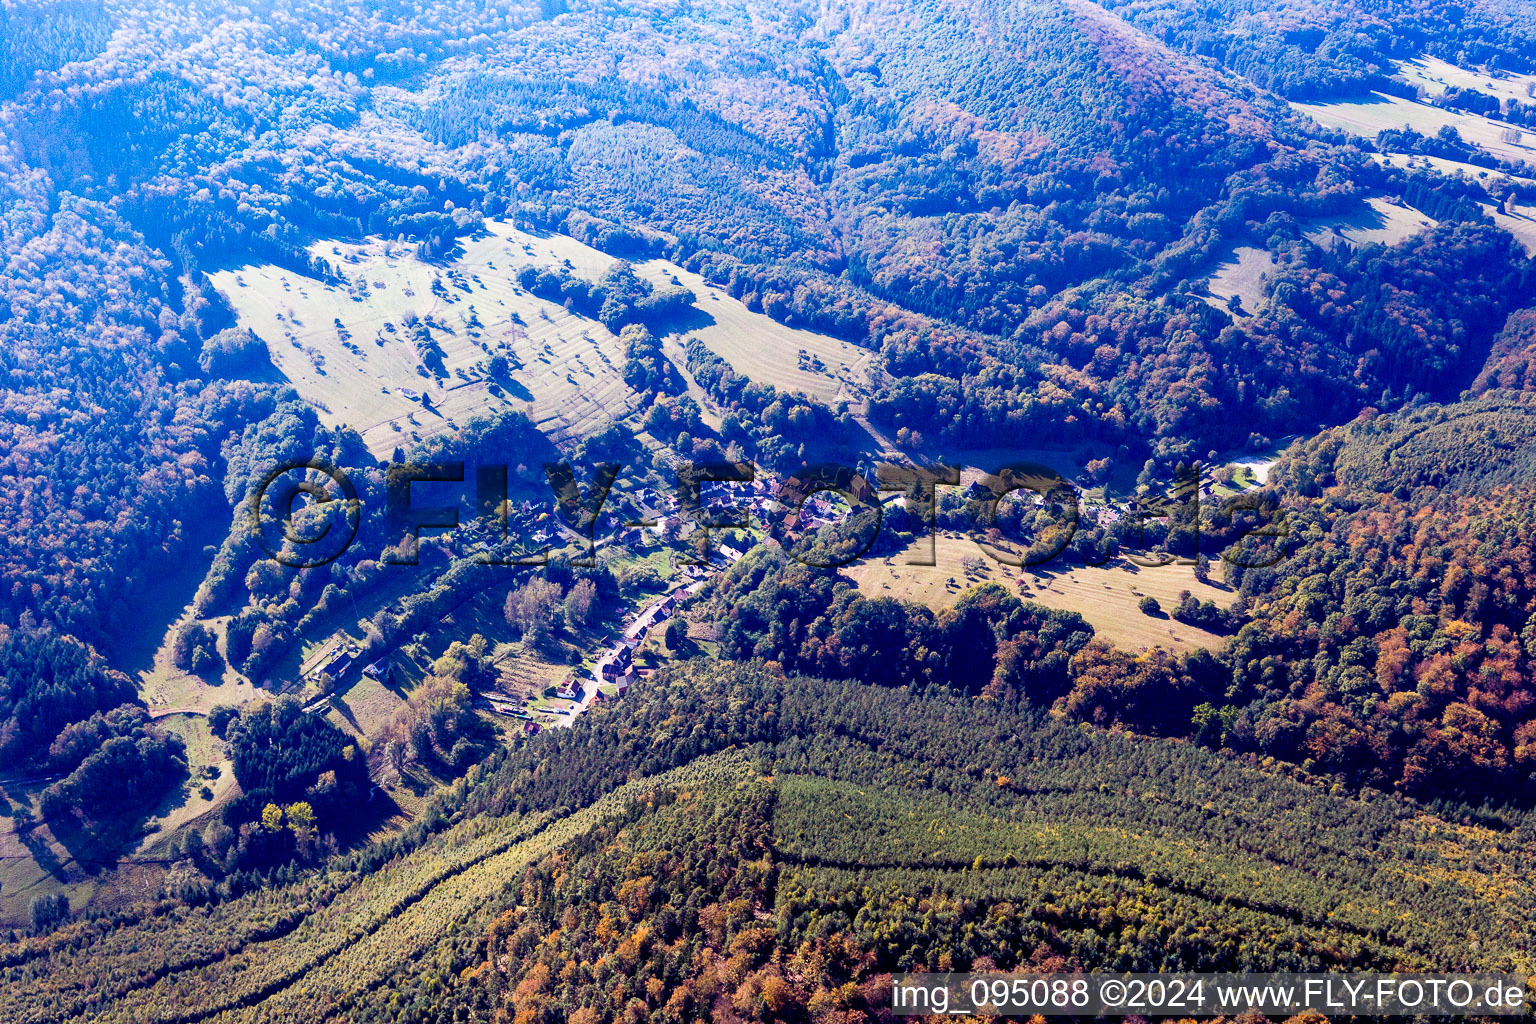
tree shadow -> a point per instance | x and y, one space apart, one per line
516 389
100 844
259 368
169 583
42 853
410 781
683 321
343 709
94 847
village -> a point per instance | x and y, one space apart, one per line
337 665
610 671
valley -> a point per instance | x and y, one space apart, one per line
453 573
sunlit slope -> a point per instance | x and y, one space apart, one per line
350 346
347 344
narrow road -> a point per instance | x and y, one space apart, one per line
641 625
167 712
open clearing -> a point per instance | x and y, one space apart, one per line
754 344
165 688
1105 596
346 346
1241 276
1450 168
767 351
1367 119
23 879
1382 221
1434 76
347 349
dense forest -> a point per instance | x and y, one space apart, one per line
760 847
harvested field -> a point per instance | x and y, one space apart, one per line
1107 597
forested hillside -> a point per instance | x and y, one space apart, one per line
1324 51
749 846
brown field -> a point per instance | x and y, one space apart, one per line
1106 597
1368 119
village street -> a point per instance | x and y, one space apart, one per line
651 615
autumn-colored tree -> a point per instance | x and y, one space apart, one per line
301 820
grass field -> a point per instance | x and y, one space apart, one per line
769 352
125 867
165 688
1367 119
344 344
1434 76
101 874
1242 276
753 343
366 372
1447 167
1520 222
364 707
1106 596
1379 221
33 865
